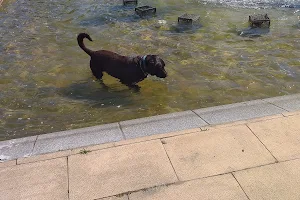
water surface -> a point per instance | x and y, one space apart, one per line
46 84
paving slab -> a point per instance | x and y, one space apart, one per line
279 181
157 136
8 163
288 102
281 136
238 111
121 197
92 148
214 188
287 114
161 124
242 122
46 180
215 151
16 148
42 157
77 138
59 154
118 170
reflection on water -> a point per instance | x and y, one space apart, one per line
257 3
46 84
253 32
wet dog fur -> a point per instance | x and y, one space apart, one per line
129 70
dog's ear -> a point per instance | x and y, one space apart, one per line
151 59
156 57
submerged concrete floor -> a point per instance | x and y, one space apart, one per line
251 159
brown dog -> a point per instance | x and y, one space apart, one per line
130 70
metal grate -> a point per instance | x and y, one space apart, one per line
188 18
145 10
259 20
130 2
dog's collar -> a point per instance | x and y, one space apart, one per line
143 65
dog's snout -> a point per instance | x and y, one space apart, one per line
166 74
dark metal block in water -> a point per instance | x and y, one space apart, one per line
130 2
188 18
145 10
260 21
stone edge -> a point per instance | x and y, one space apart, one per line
270 101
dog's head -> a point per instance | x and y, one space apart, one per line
155 66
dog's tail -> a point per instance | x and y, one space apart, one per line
80 38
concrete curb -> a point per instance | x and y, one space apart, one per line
58 141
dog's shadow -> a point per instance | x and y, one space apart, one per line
98 94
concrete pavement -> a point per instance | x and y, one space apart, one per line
136 128
249 159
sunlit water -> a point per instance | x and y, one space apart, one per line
46 84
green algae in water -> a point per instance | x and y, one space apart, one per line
46 84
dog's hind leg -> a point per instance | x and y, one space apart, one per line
97 73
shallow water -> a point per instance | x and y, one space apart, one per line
46 84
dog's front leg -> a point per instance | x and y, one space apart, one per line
134 87
103 84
